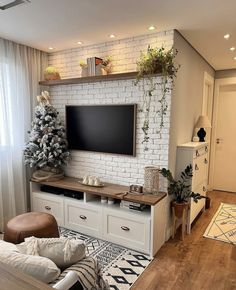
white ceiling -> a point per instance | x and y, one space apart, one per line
61 23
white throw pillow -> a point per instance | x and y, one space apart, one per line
5 246
62 251
40 268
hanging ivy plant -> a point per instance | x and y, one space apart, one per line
155 61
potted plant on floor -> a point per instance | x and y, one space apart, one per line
180 188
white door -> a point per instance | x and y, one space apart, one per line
207 102
224 177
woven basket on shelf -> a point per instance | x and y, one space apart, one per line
48 174
51 76
151 179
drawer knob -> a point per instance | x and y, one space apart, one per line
196 167
206 149
47 207
204 188
124 228
83 217
205 161
197 153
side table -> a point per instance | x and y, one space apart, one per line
179 212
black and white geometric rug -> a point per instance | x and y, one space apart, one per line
223 225
121 266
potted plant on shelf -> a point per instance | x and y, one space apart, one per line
180 188
84 68
107 64
51 73
155 61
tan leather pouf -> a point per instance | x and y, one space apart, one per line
37 224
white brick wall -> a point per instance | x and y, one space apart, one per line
112 167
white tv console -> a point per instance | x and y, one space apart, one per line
142 231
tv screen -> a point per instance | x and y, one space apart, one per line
102 128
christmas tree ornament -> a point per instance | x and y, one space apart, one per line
47 149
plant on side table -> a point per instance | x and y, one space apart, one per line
47 147
155 61
180 188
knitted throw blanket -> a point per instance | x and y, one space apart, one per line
89 274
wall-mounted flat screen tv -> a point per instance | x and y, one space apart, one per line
102 128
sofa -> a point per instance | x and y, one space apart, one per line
59 262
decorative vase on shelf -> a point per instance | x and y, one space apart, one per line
100 70
151 179
84 71
108 68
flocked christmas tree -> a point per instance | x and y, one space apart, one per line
47 146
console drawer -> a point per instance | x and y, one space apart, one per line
53 204
82 218
128 230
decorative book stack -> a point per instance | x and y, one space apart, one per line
132 205
94 66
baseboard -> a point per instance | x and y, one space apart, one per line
168 233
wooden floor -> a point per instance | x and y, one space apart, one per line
197 263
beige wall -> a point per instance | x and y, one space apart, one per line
229 73
187 95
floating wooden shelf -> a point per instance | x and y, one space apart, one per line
91 79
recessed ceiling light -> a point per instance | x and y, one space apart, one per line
227 36
234 58
51 48
112 36
232 48
152 27
79 42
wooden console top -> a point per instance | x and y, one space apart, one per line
109 190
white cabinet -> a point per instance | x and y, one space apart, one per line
196 154
142 231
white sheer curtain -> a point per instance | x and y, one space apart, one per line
20 70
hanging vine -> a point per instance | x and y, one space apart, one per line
155 61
